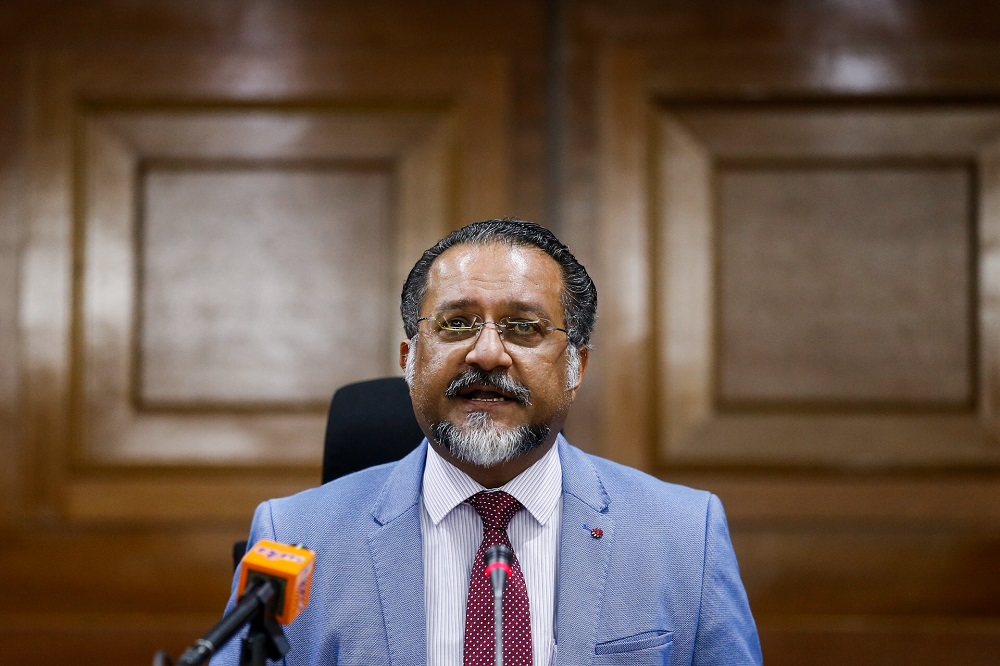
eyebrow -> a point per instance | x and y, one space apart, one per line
519 306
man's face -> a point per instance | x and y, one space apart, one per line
492 282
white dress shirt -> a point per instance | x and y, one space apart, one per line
452 532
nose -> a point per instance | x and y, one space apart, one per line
488 351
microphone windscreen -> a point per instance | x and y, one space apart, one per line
290 568
498 559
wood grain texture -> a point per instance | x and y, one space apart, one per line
864 510
866 535
11 240
845 285
207 203
182 354
878 327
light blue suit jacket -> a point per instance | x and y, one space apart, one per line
661 586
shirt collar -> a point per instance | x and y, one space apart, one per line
537 488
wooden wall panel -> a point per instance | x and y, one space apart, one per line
820 296
229 252
682 209
208 202
866 528
797 235
845 286
287 260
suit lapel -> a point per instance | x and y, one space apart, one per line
583 558
397 555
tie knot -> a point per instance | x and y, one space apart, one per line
496 508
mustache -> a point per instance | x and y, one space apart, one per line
497 380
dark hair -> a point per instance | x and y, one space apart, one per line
579 296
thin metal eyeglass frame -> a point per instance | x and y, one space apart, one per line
500 327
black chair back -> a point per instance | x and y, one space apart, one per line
370 423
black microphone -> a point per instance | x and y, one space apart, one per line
498 559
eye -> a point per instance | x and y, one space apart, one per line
523 327
458 322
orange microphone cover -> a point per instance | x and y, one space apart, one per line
290 568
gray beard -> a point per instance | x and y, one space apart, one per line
482 442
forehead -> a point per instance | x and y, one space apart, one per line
495 276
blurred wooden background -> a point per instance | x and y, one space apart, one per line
791 208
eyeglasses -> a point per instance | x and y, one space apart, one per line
515 330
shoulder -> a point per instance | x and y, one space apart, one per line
630 492
356 499
618 477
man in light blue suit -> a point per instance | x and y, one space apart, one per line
618 566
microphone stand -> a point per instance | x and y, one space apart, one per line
498 624
497 559
265 639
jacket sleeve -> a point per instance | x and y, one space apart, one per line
726 634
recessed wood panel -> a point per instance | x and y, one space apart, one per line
845 286
804 293
214 272
810 301
237 256
262 286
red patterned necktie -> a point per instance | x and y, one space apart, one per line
496 509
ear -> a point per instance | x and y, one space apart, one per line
584 357
404 352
